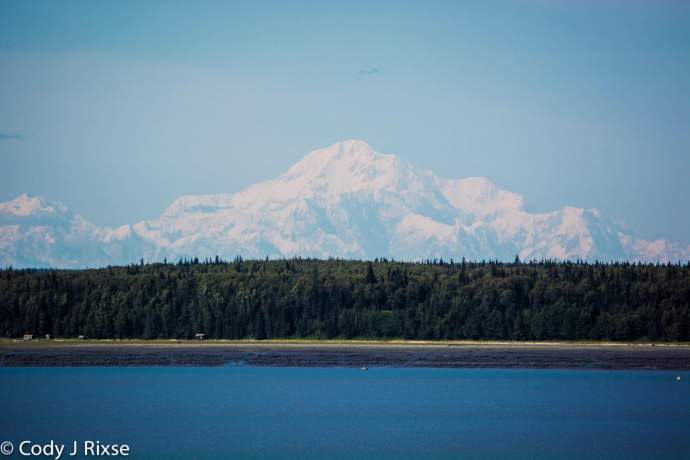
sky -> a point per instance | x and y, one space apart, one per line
117 108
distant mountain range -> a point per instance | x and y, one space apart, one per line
342 201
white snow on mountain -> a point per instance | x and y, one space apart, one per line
345 200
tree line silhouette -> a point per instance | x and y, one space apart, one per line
301 298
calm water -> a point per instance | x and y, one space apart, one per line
245 412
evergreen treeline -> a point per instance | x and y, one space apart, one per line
347 299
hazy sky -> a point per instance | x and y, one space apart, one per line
117 108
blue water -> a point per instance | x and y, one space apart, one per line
383 413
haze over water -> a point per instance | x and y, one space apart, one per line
246 412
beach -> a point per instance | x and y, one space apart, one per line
460 354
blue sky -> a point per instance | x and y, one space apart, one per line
118 108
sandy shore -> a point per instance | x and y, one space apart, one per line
463 354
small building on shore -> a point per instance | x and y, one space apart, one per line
28 336
200 336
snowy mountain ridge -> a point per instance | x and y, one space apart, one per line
345 200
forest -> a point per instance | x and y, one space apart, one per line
309 298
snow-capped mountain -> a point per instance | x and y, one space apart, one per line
37 233
342 201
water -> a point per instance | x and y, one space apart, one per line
383 413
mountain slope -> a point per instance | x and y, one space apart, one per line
342 201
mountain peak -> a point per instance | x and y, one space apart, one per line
480 196
351 146
346 166
27 205
349 150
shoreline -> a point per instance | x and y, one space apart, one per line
345 353
58 342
